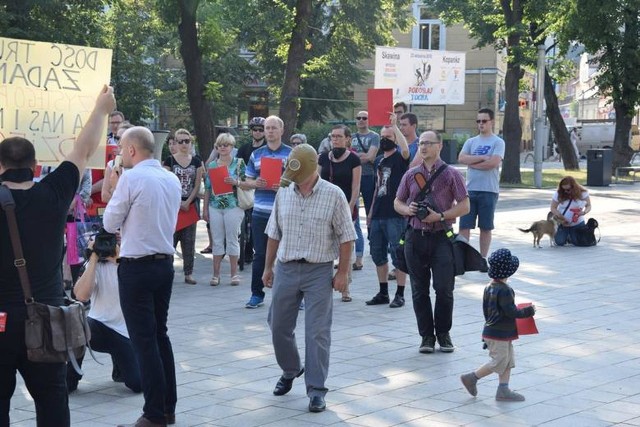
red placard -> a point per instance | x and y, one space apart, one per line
271 170
216 177
379 106
186 218
527 325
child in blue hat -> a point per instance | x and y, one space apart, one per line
500 313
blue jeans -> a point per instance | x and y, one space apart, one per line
359 238
145 293
482 206
45 381
106 340
384 238
566 235
258 226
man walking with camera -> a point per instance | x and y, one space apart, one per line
385 224
428 249
144 206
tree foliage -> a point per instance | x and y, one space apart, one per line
518 27
340 35
610 31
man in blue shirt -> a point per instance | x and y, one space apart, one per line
263 202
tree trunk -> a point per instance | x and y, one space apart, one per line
558 126
622 152
295 61
512 131
192 59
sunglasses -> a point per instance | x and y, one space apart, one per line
362 118
224 145
117 138
483 121
183 141
258 129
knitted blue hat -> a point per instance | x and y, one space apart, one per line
502 264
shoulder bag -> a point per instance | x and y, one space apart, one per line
245 197
52 334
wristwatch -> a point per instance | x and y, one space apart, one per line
441 217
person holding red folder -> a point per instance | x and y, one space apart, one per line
500 313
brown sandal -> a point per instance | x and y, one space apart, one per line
346 298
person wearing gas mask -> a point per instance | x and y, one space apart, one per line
309 228
99 283
385 224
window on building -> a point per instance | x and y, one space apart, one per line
429 32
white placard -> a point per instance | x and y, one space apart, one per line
420 76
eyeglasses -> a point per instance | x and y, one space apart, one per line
483 121
362 118
183 141
429 142
336 136
115 123
296 143
258 129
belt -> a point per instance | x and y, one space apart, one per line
424 232
301 261
153 257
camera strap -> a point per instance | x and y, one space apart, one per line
423 184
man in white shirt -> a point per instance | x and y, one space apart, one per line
144 206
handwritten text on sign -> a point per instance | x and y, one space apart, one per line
47 91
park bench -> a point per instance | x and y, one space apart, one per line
632 172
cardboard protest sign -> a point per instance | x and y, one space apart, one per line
47 92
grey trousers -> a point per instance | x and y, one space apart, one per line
292 282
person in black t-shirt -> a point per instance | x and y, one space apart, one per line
385 224
41 211
342 167
188 169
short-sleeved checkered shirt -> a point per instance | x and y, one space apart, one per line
311 227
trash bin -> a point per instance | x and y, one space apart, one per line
599 167
449 152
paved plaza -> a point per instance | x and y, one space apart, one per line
583 369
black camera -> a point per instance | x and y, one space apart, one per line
423 210
104 245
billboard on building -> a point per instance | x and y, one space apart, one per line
420 76
47 93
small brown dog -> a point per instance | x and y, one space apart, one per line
540 228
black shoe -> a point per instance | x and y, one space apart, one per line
398 301
378 299
283 386
485 266
317 404
428 344
446 346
